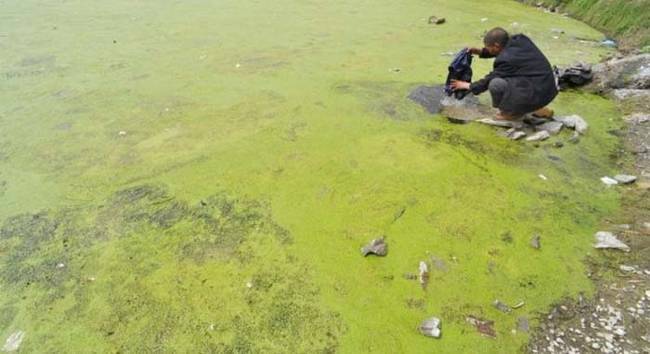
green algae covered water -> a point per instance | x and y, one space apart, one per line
199 176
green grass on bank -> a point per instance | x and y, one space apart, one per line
627 20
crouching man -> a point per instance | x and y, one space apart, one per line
522 80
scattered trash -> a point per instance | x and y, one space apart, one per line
448 54
606 239
539 136
520 304
543 177
608 43
122 133
433 20
609 181
376 246
574 122
501 306
410 276
430 327
535 242
238 65
395 70
485 327
625 179
423 276
557 30
13 342
60 265
484 19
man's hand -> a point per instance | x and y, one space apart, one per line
459 85
475 51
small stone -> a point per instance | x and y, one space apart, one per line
626 268
376 246
430 327
574 122
13 342
552 127
595 345
539 136
501 306
522 324
535 242
606 239
625 179
609 181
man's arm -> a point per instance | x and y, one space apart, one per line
481 52
480 86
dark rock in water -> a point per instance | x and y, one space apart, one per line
429 97
376 246
430 327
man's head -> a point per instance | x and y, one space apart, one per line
495 40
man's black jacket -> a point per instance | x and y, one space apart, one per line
529 75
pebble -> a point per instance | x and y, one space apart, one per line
625 179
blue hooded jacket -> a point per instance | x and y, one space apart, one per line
460 69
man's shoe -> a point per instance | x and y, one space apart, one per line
544 112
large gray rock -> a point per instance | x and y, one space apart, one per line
632 72
606 239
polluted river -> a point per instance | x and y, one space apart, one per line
200 176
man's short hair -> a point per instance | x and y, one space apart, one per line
496 35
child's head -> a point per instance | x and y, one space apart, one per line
495 40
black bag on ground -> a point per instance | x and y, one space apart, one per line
574 76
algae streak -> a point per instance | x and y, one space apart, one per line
200 176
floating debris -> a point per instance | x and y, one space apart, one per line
13 342
605 239
376 246
430 327
625 179
501 306
535 242
543 177
423 276
485 327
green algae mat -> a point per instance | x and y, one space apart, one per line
199 176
